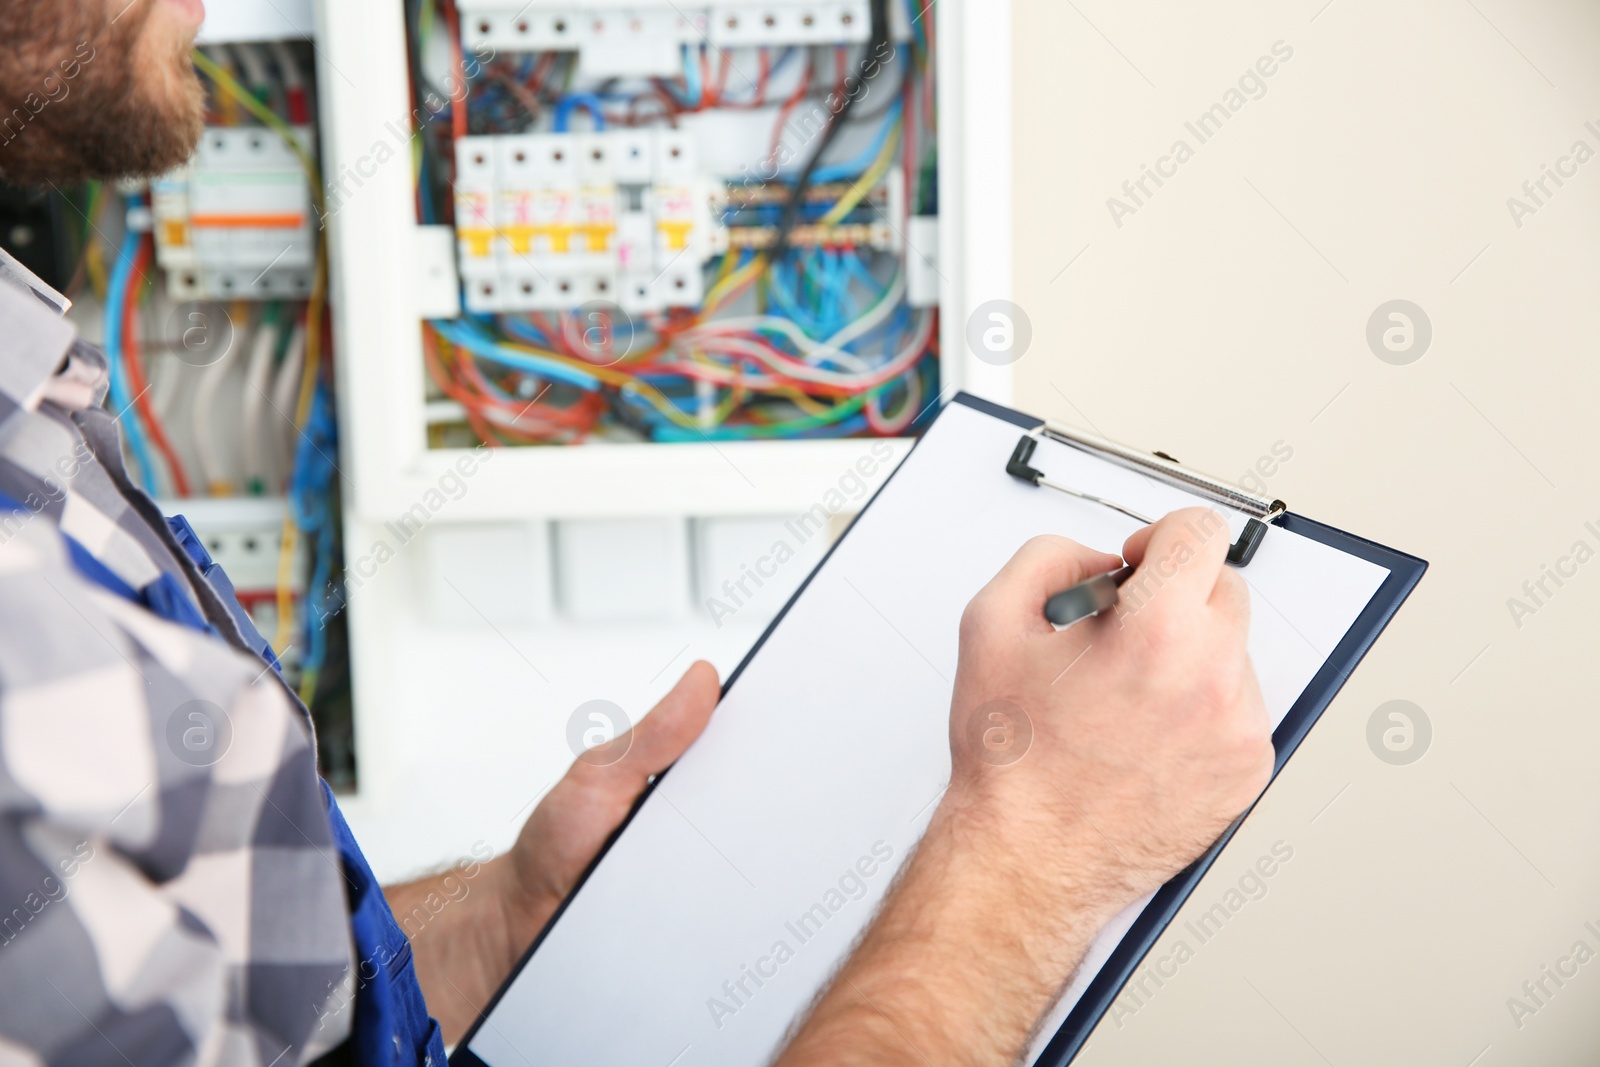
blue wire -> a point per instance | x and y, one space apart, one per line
425 183
310 501
458 333
914 15
847 296
783 292
852 168
570 103
693 90
116 296
524 331
843 428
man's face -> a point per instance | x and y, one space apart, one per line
97 88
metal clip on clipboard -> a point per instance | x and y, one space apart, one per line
1155 465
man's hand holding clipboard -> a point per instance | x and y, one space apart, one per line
1089 765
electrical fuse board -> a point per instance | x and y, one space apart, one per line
236 222
678 223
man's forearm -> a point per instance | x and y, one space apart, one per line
971 947
466 933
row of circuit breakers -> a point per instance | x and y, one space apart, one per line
646 40
546 221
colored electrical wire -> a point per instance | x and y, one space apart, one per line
258 470
868 181
117 286
136 375
857 165
294 89
571 102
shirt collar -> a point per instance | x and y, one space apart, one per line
34 337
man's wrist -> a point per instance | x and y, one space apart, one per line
524 909
977 937
1049 853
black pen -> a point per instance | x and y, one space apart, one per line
1089 597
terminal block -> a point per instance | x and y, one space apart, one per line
748 214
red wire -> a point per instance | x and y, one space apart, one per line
135 369
908 140
458 101
788 106
576 422
722 75
541 71
763 79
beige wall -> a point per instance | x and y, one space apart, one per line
1228 314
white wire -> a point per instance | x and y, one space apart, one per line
257 380
285 390
203 420
882 310
166 382
811 350
288 66
918 343
254 65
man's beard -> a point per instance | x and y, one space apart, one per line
83 99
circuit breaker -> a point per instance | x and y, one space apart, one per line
237 222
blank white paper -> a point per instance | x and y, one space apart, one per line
745 877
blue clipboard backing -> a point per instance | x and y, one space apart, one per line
1405 572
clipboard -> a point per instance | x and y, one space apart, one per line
784 824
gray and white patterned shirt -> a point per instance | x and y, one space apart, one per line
161 901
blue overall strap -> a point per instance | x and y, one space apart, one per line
392 1025
213 573
165 597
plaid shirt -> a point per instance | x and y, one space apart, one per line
169 893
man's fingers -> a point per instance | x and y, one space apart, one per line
673 724
1184 551
1041 568
1230 598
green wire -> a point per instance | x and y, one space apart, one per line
228 84
425 19
90 207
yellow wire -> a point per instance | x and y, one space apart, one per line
94 264
247 100
867 182
732 284
622 380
